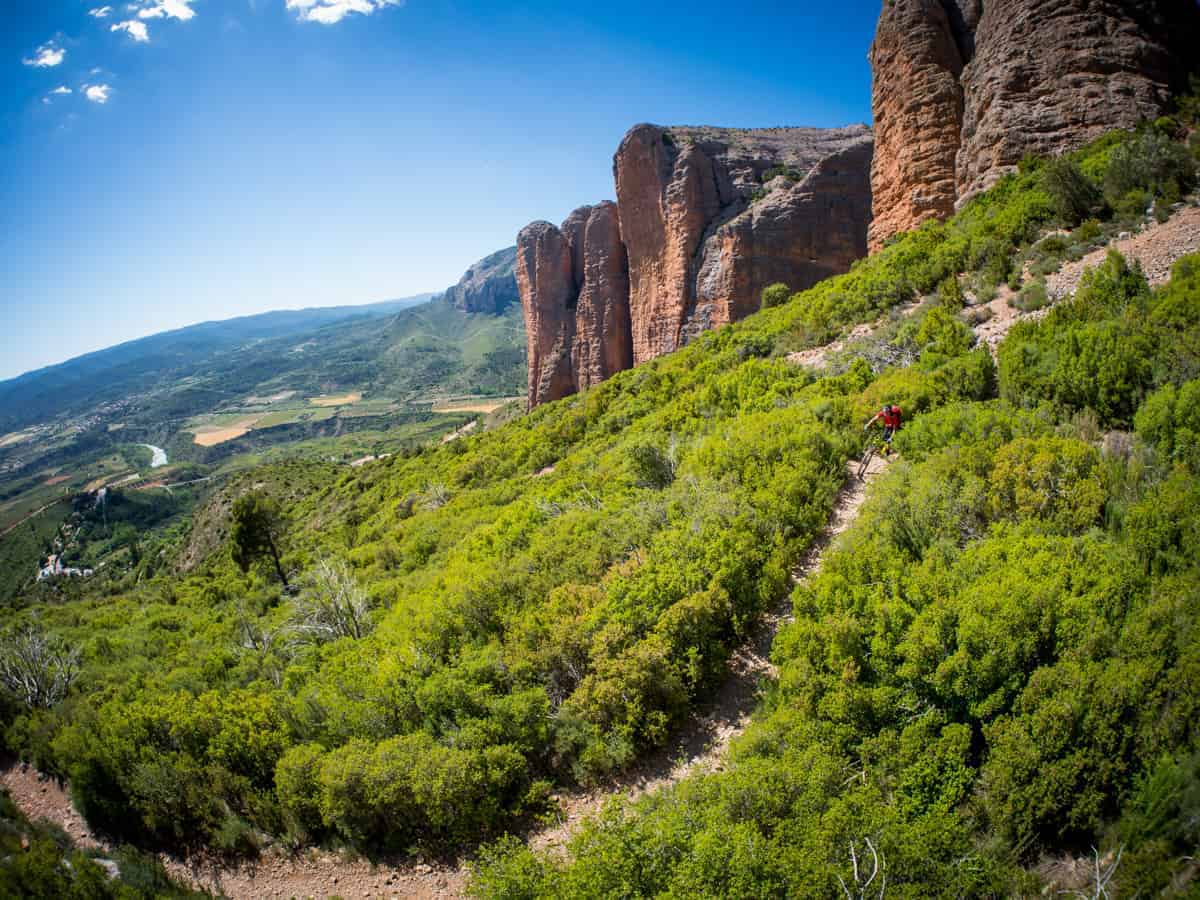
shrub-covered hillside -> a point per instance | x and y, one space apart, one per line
999 663
539 604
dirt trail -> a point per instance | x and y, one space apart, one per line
701 745
313 873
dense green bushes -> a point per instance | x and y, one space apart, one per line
548 599
988 669
965 680
1105 349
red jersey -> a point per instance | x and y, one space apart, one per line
891 418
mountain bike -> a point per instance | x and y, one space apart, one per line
872 448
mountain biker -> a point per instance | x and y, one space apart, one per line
892 416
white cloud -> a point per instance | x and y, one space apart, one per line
97 93
100 12
136 30
329 12
47 56
61 89
168 9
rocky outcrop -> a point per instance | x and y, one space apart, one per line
712 216
799 233
603 335
705 219
574 289
489 286
963 89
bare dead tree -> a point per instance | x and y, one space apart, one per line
436 495
332 606
36 668
1102 874
862 881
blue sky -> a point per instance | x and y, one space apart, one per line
203 159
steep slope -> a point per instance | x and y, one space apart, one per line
963 89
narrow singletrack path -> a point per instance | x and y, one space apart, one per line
701 744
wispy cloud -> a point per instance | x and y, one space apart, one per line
61 90
47 56
330 12
135 29
168 9
97 93
100 12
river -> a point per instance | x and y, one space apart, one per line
160 456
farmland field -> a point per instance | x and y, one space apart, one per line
474 404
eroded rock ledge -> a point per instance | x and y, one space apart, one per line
705 219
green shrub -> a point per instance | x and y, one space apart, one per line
1032 297
1149 165
775 295
950 293
1074 195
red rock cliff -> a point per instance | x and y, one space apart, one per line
963 89
574 289
711 216
705 219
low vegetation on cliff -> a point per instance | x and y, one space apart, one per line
999 662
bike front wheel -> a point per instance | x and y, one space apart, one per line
868 455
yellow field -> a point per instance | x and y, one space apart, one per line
211 435
479 406
343 400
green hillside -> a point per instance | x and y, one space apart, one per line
999 662
107 376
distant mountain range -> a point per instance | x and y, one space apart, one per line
344 345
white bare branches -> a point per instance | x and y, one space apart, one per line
332 606
862 881
36 668
1103 871
436 495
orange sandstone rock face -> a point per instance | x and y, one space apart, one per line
1050 75
963 89
799 233
547 287
705 219
574 289
711 216
917 104
603 334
